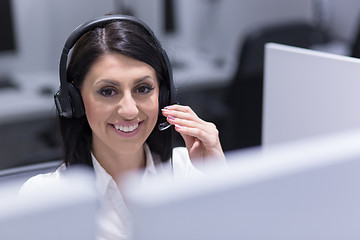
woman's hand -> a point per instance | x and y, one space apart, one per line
201 138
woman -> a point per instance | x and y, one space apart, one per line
124 83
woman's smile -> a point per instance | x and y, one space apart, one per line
127 129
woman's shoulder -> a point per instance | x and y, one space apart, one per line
42 181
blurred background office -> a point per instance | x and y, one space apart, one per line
215 46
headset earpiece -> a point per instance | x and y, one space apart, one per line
70 105
77 105
164 96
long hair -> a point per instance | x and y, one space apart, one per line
130 39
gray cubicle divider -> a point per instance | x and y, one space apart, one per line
308 93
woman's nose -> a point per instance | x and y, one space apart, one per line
127 107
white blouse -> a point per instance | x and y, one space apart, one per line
114 220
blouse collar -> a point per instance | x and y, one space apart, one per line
103 179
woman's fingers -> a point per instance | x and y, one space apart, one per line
178 107
180 112
182 117
188 123
201 137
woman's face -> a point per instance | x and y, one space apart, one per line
120 96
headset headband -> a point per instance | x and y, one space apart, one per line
62 96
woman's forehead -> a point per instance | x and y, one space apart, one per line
120 68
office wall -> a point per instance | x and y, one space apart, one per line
238 17
218 26
41 29
68 14
42 25
341 16
344 19
31 30
224 25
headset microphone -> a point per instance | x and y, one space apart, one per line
164 125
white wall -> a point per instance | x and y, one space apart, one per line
31 31
345 18
234 18
42 27
238 17
218 25
68 18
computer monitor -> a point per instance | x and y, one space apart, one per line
300 190
63 209
308 93
7 39
8 43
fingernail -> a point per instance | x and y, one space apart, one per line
171 117
177 126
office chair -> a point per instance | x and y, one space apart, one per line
245 93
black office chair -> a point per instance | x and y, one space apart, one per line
245 94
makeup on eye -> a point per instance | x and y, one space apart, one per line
107 88
144 89
106 91
145 85
141 86
141 89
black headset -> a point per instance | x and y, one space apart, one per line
68 99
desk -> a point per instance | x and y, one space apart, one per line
32 99
27 117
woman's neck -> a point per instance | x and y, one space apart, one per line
118 163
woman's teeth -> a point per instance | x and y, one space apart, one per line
127 128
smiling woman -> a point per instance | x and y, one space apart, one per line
115 92
122 110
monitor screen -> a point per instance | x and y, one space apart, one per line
7 39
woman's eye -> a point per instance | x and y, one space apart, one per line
107 92
144 89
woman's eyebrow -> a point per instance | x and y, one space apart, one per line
107 81
116 83
143 79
